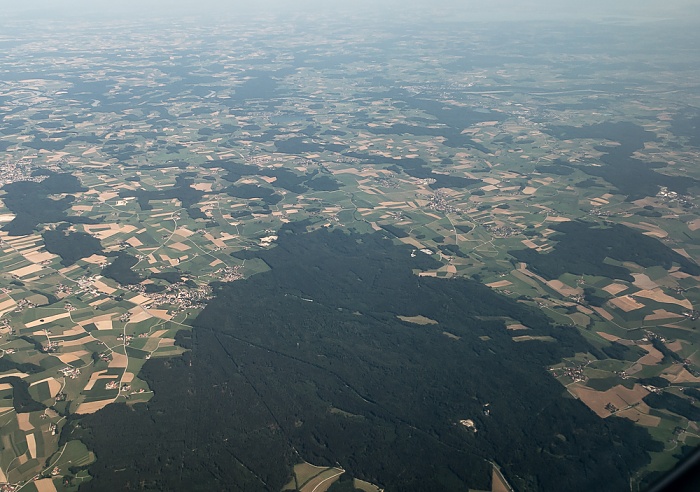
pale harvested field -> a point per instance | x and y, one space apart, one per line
47 319
140 299
661 314
45 485
7 304
675 346
118 360
323 481
525 338
76 330
99 301
23 422
69 357
95 259
134 241
562 288
517 326
184 232
151 344
418 320
584 309
75 343
529 243
92 407
128 377
614 289
626 303
138 314
179 246
603 313
216 242
659 296
28 270
451 335
608 336
104 231
413 242
683 252
498 483
694 225
94 377
304 471
650 229
15 241
31 444
365 486
54 386
103 322
652 358
619 396
678 374
38 257
551 218
640 415
69 269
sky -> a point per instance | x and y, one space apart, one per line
440 9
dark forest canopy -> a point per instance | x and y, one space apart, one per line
182 191
32 204
120 270
284 178
21 399
582 247
310 361
632 177
71 246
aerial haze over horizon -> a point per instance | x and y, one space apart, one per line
479 10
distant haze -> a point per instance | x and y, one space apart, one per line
440 9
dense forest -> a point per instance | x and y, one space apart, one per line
310 361
632 177
182 191
284 178
120 270
582 247
32 204
71 246
21 399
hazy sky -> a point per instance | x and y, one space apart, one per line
462 9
